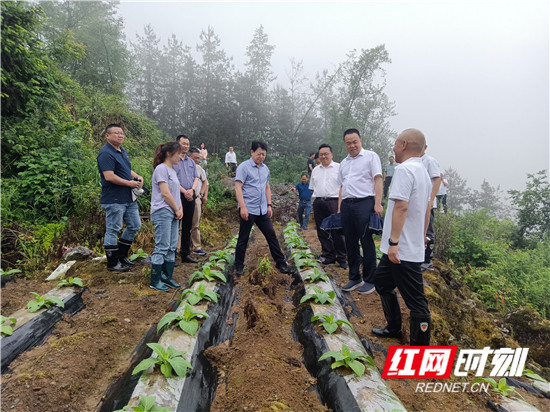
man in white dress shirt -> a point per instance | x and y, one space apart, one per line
324 183
231 161
432 166
403 242
360 179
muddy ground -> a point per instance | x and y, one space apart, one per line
260 369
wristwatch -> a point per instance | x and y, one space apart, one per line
392 243
269 205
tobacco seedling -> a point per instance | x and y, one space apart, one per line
264 267
329 323
140 254
319 296
316 276
6 330
349 359
296 242
305 263
501 388
208 274
302 254
70 282
530 374
194 297
168 359
9 272
222 256
146 404
42 301
291 227
232 243
188 322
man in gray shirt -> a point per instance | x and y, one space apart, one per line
390 167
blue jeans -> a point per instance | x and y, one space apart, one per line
115 215
304 206
166 236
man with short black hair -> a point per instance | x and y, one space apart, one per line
254 197
117 181
324 183
360 179
388 174
231 161
310 163
403 242
189 179
201 197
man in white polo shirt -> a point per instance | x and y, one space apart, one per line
360 180
324 183
403 242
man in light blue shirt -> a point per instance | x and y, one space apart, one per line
254 196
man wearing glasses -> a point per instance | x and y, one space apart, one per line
117 181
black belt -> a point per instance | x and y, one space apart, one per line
327 198
302 200
356 199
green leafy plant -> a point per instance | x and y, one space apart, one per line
329 323
316 276
146 404
208 274
302 254
232 243
296 242
292 227
530 374
222 256
140 254
501 388
70 282
264 267
195 296
188 322
6 330
168 359
349 359
319 296
9 272
305 263
41 301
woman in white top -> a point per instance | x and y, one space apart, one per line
166 211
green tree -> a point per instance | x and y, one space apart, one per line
97 27
488 197
533 210
458 192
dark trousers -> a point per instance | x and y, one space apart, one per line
355 220
387 183
428 255
266 227
333 247
186 224
407 277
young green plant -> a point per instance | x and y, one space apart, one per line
319 296
208 274
305 263
146 404
264 267
140 254
168 359
5 329
194 297
42 301
316 276
302 254
9 272
501 388
329 323
530 374
70 282
222 256
348 359
188 322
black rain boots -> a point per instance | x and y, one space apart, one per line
112 260
420 330
392 312
123 249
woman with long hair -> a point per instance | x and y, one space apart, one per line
166 211
204 155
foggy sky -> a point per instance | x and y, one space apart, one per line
472 75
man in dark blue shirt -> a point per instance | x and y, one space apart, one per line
304 204
117 181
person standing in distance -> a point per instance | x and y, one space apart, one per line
390 167
310 163
254 197
360 180
304 202
403 242
231 161
324 183
201 197
117 181
432 166
189 180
